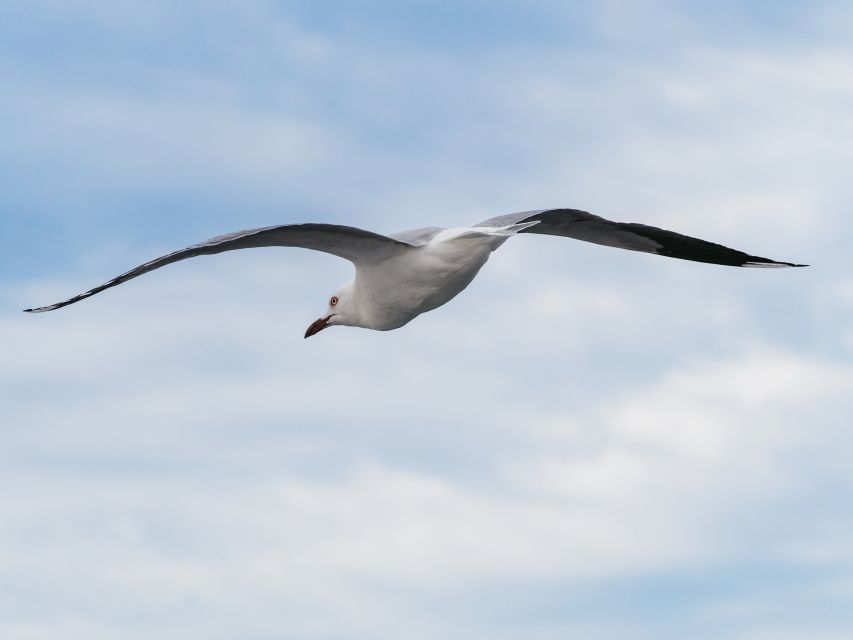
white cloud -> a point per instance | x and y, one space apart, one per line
183 463
757 154
280 480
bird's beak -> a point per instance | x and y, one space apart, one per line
317 326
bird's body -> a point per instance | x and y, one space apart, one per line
410 284
401 276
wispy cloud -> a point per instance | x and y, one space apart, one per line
588 442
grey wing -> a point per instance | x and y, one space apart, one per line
356 245
581 225
417 237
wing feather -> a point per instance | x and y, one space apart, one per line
356 245
581 225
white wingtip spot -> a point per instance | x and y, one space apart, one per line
41 309
772 265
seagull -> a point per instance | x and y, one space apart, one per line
402 275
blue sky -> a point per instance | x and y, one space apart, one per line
587 443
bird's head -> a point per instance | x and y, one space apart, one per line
340 310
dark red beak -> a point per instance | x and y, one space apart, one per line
317 326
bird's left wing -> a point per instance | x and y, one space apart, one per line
359 246
581 225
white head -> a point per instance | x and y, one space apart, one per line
340 310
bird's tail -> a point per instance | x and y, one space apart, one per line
482 232
510 229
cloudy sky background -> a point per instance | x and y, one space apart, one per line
587 443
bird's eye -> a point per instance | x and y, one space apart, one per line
333 301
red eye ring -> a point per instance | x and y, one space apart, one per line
333 301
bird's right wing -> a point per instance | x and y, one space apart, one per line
359 246
581 225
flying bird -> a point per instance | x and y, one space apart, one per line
402 275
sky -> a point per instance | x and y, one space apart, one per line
586 443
